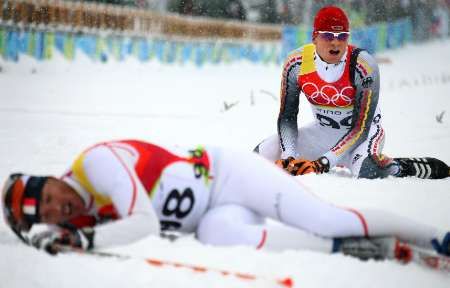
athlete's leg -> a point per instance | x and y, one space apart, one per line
269 148
241 226
367 160
257 184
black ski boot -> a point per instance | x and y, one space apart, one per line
425 168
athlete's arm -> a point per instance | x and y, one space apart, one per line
287 118
367 85
111 176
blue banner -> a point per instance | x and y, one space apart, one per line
41 44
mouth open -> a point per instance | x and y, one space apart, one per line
334 52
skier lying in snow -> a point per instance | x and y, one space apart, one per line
341 82
121 191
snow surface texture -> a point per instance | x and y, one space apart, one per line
51 111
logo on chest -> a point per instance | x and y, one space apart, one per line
329 94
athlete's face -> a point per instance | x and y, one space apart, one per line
331 51
59 202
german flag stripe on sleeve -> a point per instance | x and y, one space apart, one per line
344 144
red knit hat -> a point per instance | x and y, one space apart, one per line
331 18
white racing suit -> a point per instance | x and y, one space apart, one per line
344 99
133 189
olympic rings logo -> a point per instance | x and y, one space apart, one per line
328 95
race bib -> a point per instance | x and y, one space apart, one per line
181 197
334 118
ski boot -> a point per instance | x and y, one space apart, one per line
443 247
364 249
425 168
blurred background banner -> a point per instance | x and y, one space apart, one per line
200 31
41 45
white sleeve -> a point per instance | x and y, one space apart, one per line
114 176
124 231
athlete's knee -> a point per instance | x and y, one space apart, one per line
213 228
371 170
268 148
256 149
226 225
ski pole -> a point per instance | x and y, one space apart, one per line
282 282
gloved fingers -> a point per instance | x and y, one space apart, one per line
45 241
50 240
300 167
319 169
283 163
83 238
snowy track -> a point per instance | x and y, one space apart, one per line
51 111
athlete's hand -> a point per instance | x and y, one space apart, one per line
283 163
321 165
296 166
51 241
300 167
303 166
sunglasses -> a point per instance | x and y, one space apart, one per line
330 36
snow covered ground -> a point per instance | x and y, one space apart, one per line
51 111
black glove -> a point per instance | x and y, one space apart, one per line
51 240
